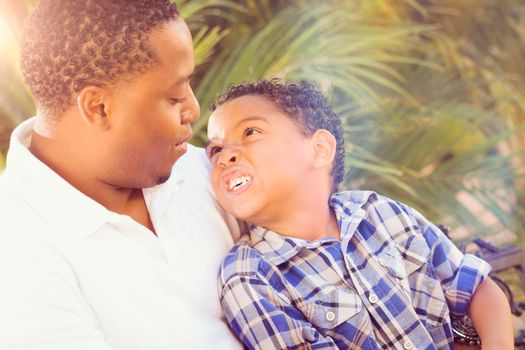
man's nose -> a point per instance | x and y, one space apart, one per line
191 111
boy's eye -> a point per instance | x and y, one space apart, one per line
251 131
213 151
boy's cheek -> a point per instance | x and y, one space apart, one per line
215 187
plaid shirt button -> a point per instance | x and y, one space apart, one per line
373 298
330 316
408 345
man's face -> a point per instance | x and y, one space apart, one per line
151 115
259 159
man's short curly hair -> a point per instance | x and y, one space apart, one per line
70 44
303 104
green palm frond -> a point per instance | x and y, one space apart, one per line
201 10
204 42
198 14
16 103
431 158
323 43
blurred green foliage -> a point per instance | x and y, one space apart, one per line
431 92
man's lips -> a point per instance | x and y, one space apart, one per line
236 181
182 143
185 139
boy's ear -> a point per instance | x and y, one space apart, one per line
92 103
324 147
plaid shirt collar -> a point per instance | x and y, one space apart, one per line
278 249
348 207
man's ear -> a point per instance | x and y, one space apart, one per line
324 146
92 104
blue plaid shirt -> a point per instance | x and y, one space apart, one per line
393 281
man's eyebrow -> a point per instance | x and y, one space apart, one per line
185 79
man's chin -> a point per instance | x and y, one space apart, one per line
154 181
162 179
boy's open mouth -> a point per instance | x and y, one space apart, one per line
237 182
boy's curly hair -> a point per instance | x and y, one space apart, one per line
69 44
302 103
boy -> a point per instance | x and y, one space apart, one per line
319 269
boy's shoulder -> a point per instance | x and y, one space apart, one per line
392 230
400 220
242 260
349 202
380 212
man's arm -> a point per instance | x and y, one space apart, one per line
491 315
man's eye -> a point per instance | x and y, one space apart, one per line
175 100
214 150
251 131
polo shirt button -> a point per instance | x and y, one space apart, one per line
408 345
372 298
330 316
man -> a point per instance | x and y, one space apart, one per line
110 235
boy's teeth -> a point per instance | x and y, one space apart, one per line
238 182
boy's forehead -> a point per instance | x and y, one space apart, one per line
238 111
249 104
220 124
244 107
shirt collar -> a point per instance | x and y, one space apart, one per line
56 201
350 208
278 249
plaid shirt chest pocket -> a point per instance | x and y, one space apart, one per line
419 282
331 307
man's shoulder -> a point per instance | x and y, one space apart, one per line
19 222
195 160
13 209
195 168
23 246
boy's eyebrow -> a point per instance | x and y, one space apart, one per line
250 119
247 119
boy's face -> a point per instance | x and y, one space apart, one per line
259 159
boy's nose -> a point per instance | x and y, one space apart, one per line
228 157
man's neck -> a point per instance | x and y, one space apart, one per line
58 154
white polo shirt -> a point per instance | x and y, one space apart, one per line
76 276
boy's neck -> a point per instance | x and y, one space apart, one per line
310 225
